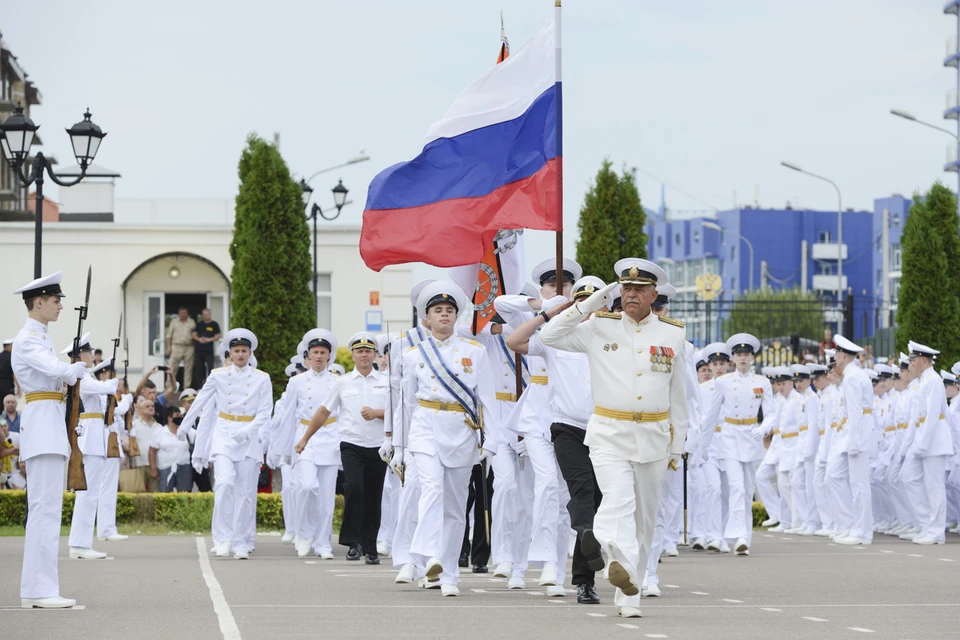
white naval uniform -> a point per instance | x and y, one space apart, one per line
316 468
739 396
879 489
804 498
44 449
107 501
708 515
826 502
789 423
856 445
953 479
93 444
288 479
767 471
239 401
905 501
444 447
629 455
925 462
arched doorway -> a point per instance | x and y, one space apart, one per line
157 288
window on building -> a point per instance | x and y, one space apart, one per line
825 269
733 253
896 257
823 237
324 301
879 277
677 237
894 290
659 241
733 285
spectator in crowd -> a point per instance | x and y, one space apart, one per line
170 457
162 401
827 343
204 337
10 475
868 359
97 356
10 413
180 345
7 381
145 429
202 479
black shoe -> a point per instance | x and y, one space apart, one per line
354 552
586 594
464 561
372 558
590 549
480 568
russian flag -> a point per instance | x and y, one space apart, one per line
494 161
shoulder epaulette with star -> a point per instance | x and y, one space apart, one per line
613 315
673 321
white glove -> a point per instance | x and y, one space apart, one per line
555 301
597 300
199 464
273 460
77 371
695 460
181 433
522 448
397 458
485 454
758 433
113 384
127 397
385 448
241 436
79 430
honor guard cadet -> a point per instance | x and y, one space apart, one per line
739 396
242 398
924 465
715 495
317 464
359 399
804 500
829 403
639 420
854 444
92 438
446 397
787 421
44 447
903 502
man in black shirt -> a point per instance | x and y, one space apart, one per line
6 371
206 333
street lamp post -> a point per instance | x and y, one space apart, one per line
16 137
790 165
906 115
716 227
339 200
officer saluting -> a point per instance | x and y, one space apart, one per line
43 440
640 414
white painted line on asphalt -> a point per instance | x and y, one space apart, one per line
647 605
597 615
768 535
655 635
556 601
946 559
915 555
787 539
814 619
228 626
732 601
771 609
312 562
860 629
886 551
700 593
628 626
672 586
478 590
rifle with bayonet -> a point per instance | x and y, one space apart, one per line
128 417
113 444
76 480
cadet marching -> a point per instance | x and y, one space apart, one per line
605 432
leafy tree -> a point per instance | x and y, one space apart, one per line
271 259
345 359
766 313
611 223
929 303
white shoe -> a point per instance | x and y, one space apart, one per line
619 576
699 544
556 591
434 569
806 531
926 540
852 541
296 540
548 577
669 552
287 537
823 533
724 547
908 536
650 590
325 555
516 582
383 549
406 575
86 554
503 570
222 550
629 612
242 554
769 522
715 545
423 584
840 534
777 529
449 590
47 603
303 548
793 530
116 537
741 547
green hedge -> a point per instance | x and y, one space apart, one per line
187 511
759 513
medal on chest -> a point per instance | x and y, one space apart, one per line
662 359
467 365
758 393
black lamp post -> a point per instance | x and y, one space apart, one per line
16 138
339 199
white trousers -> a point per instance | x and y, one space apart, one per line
288 497
880 493
624 523
862 503
545 514
713 502
45 482
740 481
769 491
671 498
388 508
231 482
505 506
246 523
788 516
318 488
441 514
107 504
822 491
407 514
695 489
804 498
928 474
838 489
903 505
85 503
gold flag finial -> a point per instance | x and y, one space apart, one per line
557 3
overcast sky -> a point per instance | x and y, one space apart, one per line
708 95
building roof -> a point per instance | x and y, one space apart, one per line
93 171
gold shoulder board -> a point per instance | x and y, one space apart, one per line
473 342
414 348
219 369
674 322
608 314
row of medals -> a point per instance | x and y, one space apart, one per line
662 364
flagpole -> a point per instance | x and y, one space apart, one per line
557 36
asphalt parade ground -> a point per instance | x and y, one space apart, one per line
789 587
